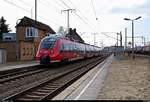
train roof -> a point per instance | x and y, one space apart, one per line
54 36
57 36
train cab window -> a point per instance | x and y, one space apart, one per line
47 43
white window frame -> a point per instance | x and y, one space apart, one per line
47 34
31 32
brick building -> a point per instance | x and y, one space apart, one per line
28 34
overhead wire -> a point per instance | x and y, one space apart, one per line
65 4
55 19
87 20
59 3
48 20
26 3
93 8
108 35
12 3
84 21
46 4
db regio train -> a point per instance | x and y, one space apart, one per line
55 48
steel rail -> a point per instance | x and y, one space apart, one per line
20 75
49 88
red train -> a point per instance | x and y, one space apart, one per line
55 48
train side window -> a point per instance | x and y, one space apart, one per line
62 48
76 47
80 48
71 47
66 47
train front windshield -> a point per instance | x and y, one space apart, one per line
47 43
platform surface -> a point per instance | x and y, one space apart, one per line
127 79
117 78
88 86
14 65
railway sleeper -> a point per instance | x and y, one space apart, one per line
34 96
31 96
44 90
26 99
39 93
55 84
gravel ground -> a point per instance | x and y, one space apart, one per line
127 80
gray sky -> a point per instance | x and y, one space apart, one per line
110 14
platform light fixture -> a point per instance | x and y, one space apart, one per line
132 33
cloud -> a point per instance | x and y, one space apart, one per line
141 9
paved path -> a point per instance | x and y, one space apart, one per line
19 64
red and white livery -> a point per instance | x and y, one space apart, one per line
56 48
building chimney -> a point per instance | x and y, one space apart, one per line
74 30
70 31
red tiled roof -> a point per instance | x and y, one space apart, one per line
32 23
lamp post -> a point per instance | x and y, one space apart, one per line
117 39
132 33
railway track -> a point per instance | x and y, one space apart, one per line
13 72
50 87
10 77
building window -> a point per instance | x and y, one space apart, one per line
31 32
47 34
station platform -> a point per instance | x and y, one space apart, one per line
19 64
88 86
117 78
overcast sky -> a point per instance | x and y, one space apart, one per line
110 14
